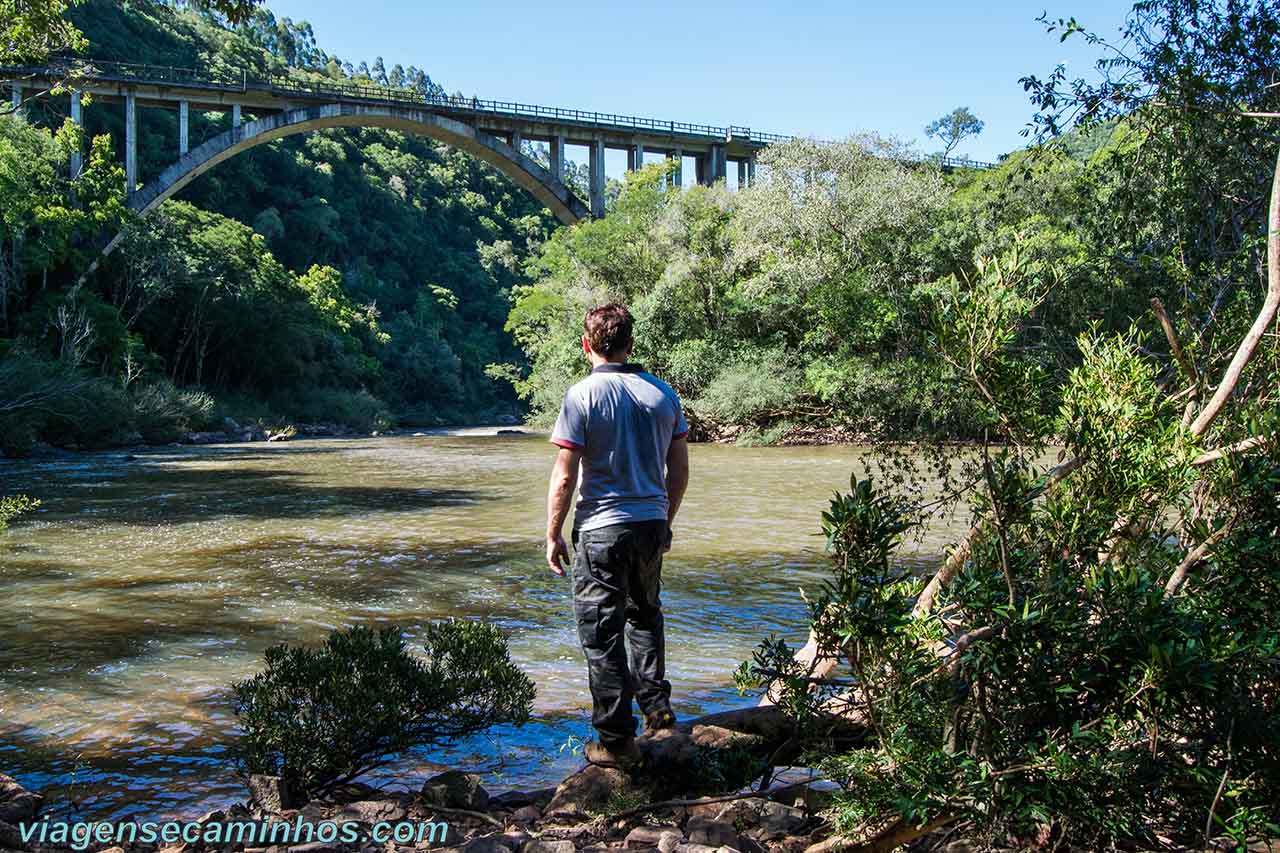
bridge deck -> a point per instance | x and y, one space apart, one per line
164 86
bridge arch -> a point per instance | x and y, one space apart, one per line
492 150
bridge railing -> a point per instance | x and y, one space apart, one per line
507 108
239 80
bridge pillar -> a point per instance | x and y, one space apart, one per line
130 142
717 165
16 90
77 157
742 173
184 120
557 158
751 171
635 157
235 115
597 177
517 141
701 171
678 175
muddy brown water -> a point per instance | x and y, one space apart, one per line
150 580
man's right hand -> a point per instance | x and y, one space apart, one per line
557 551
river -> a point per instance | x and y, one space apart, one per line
152 579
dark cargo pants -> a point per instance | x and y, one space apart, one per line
617 574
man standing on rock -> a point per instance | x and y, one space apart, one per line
625 430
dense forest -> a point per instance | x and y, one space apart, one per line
349 276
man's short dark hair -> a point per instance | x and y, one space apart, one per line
609 329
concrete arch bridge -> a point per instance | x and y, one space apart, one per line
493 131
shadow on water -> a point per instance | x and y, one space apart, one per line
180 496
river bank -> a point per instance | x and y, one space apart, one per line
679 801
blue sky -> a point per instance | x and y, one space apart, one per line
807 66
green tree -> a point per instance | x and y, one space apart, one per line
953 128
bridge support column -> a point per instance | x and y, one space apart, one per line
717 170
184 121
597 178
701 170
77 157
16 93
130 143
517 141
557 158
235 115
678 175
751 171
635 157
742 174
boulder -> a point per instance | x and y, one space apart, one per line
547 845
690 847
456 790
494 842
372 811
17 804
10 837
587 791
273 794
526 815
518 799
669 841
712 833
318 847
649 836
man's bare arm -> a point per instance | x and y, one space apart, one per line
677 475
564 479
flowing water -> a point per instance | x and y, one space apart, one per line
150 580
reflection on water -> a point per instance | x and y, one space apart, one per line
148 582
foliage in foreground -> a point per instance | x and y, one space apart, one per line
12 506
1097 663
320 717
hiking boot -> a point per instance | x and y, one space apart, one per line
623 754
658 720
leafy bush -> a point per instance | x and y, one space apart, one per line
356 409
12 506
757 387
323 716
164 412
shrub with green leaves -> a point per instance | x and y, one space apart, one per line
321 717
11 506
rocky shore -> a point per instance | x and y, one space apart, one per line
665 805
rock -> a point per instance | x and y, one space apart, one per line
456 790
494 842
780 820
669 841
668 748
372 811
588 790
272 794
712 833
518 799
718 737
207 437
318 847
17 804
649 836
11 838
278 436
512 432
526 815
546 845
690 847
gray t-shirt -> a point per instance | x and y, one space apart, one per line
623 420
